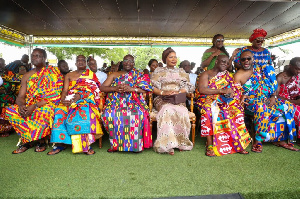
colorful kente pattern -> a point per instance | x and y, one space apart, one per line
291 90
7 98
271 124
10 85
78 123
126 115
260 58
45 85
223 117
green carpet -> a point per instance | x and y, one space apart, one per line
273 174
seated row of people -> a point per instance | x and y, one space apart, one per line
69 111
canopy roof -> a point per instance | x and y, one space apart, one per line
146 22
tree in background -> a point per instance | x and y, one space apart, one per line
68 52
142 54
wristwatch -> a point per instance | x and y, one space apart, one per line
136 90
275 96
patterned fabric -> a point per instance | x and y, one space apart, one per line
206 55
260 58
14 66
78 123
45 85
263 61
126 115
223 117
291 90
17 79
10 85
173 123
274 123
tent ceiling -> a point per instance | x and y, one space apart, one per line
149 18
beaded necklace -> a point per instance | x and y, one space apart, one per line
255 50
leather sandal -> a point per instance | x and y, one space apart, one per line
111 150
56 150
257 148
289 146
90 152
40 147
210 151
244 152
22 148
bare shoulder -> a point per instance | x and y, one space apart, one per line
204 76
281 75
238 76
28 74
208 50
282 78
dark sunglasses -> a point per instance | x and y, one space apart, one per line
128 60
259 41
246 58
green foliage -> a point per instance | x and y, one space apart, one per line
67 53
142 54
115 54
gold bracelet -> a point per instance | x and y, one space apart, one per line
161 93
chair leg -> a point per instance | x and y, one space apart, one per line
193 131
100 142
151 126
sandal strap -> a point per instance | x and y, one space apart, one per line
58 147
291 144
210 147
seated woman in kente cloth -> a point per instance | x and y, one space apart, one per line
126 115
77 118
173 122
222 114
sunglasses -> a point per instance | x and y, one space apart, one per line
259 41
219 40
128 60
246 58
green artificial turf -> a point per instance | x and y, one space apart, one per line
275 173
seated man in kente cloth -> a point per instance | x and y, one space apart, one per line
273 118
126 115
222 115
289 87
32 116
77 118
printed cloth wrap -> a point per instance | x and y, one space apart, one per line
126 115
45 85
223 117
173 121
78 123
11 83
291 90
274 123
260 58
